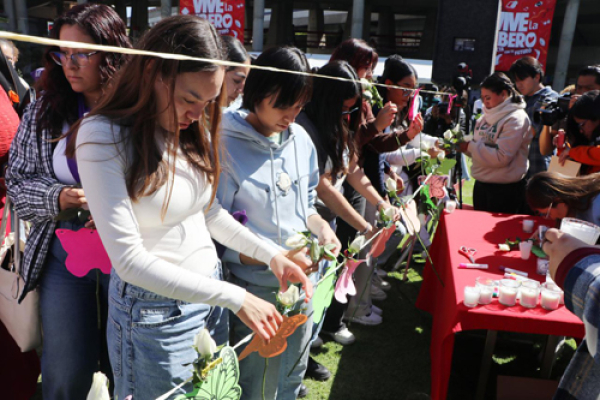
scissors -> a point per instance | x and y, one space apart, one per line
468 252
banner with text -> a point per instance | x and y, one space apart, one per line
226 15
524 30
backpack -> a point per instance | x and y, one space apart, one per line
17 92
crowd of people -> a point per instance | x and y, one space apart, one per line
161 154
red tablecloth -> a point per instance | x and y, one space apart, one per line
482 231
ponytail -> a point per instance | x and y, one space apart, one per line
498 83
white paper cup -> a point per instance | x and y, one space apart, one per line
525 248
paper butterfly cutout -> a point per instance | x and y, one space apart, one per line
323 294
84 251
378 245
222 381
413 109
277 344
410 217
437 185
345 283
450 102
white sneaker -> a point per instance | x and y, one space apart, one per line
376 310
378 281
342 336
368 320
377 293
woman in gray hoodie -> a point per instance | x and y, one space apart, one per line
271 172
500 148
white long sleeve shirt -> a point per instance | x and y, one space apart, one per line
174 257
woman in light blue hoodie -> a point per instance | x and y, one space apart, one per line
271 172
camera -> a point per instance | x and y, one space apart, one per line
553 110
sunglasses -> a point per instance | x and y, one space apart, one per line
78 59
350 111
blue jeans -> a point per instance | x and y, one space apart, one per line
278 385
150 338
74 345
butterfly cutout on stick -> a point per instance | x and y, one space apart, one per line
84 251
278 343
378 245
345 283
437 185
410 217
221 382
323 294
413 109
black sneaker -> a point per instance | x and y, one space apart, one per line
303 391
316 371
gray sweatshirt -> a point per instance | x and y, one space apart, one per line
500 146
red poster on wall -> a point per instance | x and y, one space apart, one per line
524 30
226 15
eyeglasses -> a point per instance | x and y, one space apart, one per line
350 111
78 59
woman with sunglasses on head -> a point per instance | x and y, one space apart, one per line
43 182
149 159
583 133
556 196
500 148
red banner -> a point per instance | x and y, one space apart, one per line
226 15
524 30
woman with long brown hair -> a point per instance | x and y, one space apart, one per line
558 196
148 157
43 182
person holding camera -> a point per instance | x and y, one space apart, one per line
500 148
439 120
583 133
574 266
528 74
587 79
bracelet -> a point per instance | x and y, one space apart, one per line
367 229
379 203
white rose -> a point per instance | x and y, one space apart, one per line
290 297
391 185
441 156
296 241
205 345
357 244
467 138
367 95
366 85
448 135
99 389
390 213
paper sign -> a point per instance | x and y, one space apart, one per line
570 168
227 16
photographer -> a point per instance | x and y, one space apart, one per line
583 133
574 267
439 120
527 73
587 79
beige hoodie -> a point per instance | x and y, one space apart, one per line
501 144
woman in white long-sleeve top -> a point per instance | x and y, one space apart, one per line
148 158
